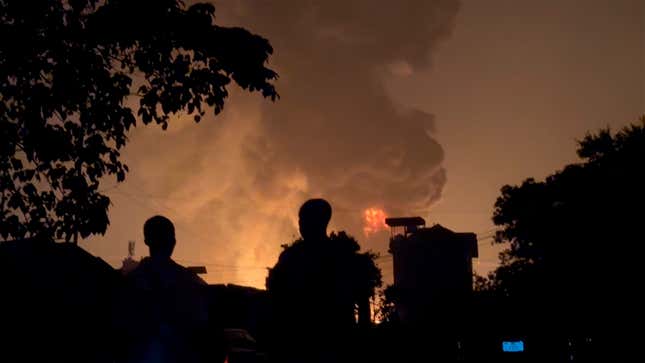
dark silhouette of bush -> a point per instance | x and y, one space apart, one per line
572 265
326 282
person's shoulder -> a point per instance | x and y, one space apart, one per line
186 275
142 268
139 278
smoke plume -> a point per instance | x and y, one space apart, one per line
233 184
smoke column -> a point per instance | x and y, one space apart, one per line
233 184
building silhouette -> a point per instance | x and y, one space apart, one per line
55 303
433 273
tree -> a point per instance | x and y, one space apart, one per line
574 237
386 311
66 70
327 282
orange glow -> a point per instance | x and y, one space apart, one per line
374 220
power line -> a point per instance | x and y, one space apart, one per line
148 204
215 264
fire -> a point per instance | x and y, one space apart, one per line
374 220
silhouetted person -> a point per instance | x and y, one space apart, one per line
313 219
314 289
164 304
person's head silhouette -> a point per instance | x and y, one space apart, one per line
313 218
159 235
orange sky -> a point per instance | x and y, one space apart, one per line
514 88
510 84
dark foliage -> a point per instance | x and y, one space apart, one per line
386 311
325 276
574 237
66 71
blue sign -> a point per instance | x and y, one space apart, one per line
513 347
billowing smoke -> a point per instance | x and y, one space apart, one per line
233 184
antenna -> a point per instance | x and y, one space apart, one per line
131 249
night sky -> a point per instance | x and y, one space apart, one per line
411 107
